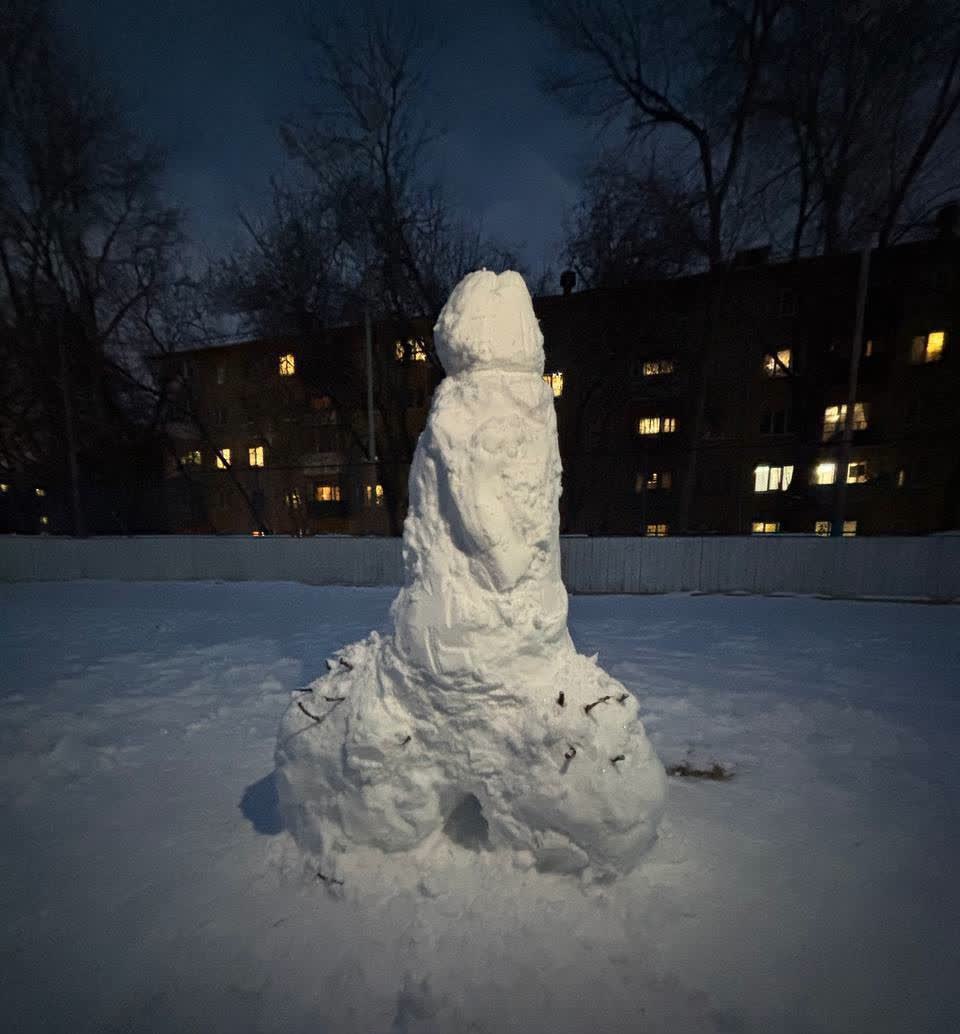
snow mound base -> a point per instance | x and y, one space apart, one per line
476 716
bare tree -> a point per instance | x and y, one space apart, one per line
86 242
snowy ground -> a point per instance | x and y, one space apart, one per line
145 883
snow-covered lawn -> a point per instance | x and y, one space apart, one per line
146 885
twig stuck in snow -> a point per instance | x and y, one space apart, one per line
716 771
334 700
346 664
571 753
405 741
560 699
309 714
329 879
619 757
622 699
590 707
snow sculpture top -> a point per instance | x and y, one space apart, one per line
484 601
478 706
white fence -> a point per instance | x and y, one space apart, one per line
900 567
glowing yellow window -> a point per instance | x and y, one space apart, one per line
399 351
418 352
765 527
41 492
223 459
4 488
825 527
849 529
858 473
649 425
293 500
777 364
928 348
326 493
554 381
45 521
658 531
834 417
255 455
192 458
373 495
772 479
657 367
288 365
825 473
822 528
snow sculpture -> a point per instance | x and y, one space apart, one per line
477 715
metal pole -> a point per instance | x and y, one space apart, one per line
372 438
78 526
840 496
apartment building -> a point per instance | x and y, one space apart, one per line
709 404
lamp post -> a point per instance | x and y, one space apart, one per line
840 496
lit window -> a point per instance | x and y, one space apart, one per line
868 348
858 473
257 534
288 365
777 364
772 479
4 488
45 521
901 477
326 493
658 531
825 527
255 455
223 459
293 500
834 417
554 381
221 374
655 480
765 527
825 473
373 495
192 458
321 402
418 352
657 425
928 348
40 492
657 367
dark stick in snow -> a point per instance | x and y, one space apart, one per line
590 707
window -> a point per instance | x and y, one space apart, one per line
658 531
293 500
825 527
40 492
656 425
257 534
255 454
858 472
555 382
221 374
223 459
418 351
4 488
928 348
775 421
325 493
287 365
772 479
414 350
901 477
657 367
765 527
824 473
192 459
44 521
778 364
373 495
655 481
868 348
834 417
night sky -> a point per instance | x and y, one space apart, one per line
208 80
